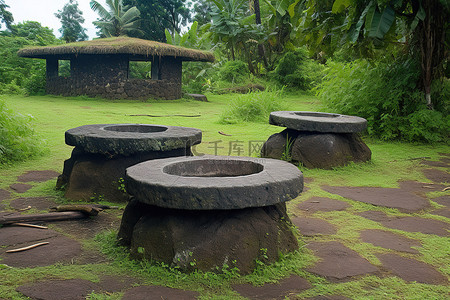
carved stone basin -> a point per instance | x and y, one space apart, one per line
317 139
128 139
317 121
96 168
214 182
208 212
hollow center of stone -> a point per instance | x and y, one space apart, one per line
136 128
316 114
213 168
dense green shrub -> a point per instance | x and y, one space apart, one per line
387 95
18 74
197 76
426 125
233 71
18 139
220 77
11 88
252 107
35 83
296 70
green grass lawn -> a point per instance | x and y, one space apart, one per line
390 163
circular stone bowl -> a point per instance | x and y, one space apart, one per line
317 121
214 182
129 139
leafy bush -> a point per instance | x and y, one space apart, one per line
10 88
296 70
426 126
386 94
35 83
197 77
252 107
233 71
17 73
18 140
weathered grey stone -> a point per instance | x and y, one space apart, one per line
275 146
133 212
327 150
213 182
86 176
205 240
317 121
104 151
198 97
129 139
317 150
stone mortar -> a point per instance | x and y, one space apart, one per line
317 121
213 182
129 139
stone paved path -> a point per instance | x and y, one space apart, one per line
394 240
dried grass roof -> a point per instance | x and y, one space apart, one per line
117 45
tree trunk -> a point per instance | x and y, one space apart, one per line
432 44
232 50
261 49
55 216
249 60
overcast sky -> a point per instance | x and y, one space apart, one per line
44 13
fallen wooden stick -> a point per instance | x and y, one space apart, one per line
24 209
85 208
29 225
27 248
101 206
222 133
55 216
163 116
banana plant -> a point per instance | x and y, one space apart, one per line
116 19
196 37
380 21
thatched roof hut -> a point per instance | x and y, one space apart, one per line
101 67
118 45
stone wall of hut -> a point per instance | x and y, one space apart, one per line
106 76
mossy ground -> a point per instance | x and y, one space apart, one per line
391 162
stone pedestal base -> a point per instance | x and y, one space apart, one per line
88 176
316 149
207 240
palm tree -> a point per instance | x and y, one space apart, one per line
116 19
5 16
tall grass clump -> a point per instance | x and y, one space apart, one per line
387 94
253 107
18 140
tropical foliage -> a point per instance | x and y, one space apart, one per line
385 60
386 94
18 75
370 28
18 140
116 19
5 16
157 15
